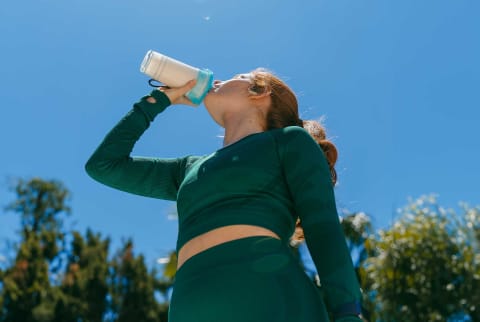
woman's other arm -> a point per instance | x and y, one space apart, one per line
309 180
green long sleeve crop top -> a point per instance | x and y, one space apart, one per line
265 179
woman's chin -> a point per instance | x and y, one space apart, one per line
208 98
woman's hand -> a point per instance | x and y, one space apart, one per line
176 95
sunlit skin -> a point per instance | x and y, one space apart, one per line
240 112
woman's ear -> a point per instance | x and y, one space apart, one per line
257 92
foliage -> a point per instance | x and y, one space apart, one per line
52 279
171 266
133 287
27 293
84 286
426 267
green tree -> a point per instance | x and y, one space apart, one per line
53 280
356 228
133 288
426 267
1 288
27 293
84 286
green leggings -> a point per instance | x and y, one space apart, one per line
252 279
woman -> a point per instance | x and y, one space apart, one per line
239 206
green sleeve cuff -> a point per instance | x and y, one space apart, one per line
153 109
161 97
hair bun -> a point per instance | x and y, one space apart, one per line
330 151
317 131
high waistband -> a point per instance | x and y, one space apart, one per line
242 250
260 273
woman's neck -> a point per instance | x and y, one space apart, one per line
238 126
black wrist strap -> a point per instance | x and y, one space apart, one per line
150 82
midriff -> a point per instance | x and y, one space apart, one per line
217 236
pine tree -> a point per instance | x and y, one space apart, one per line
84 286
27 292
133 288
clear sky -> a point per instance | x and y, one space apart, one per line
398 83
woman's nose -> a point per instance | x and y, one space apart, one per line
217 82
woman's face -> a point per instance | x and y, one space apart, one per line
228 96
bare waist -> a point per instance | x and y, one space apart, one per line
217 236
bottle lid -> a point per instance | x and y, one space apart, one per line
201 88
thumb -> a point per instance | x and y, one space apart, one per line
177 95
188 86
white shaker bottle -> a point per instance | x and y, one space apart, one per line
174 73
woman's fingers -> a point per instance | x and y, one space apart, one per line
176 95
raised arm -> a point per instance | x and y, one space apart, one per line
112 165
309 180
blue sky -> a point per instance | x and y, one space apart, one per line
398 83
